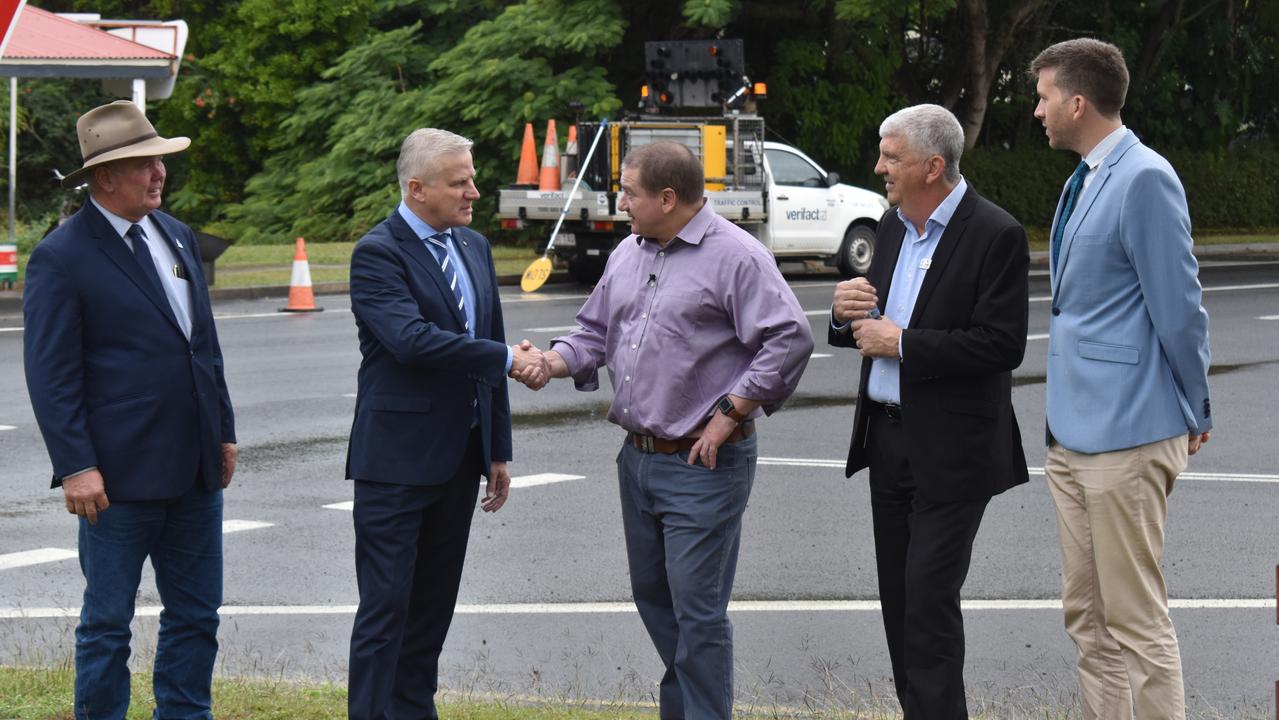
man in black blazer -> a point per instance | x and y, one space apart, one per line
431 417
940 322
126 380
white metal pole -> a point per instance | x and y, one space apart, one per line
13 155
140 94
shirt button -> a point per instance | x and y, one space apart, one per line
626 411
644 315
661 253
628 378
634 345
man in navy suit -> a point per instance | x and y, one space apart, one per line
126 379
1127 381
431 417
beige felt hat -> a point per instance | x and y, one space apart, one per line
117 131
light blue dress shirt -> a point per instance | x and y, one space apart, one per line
424 231
176 289
913 262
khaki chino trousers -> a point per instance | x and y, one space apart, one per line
1111 509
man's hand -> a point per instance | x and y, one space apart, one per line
86 495
853 300
528 365
229 456
713 435
1197 441
498 488
877 338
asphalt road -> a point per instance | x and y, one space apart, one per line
545 598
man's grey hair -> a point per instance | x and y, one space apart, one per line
420 154
931 130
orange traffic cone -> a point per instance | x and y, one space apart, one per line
568 164
301 299
550 175
527 174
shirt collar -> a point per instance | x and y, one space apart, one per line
119 224
694 230
1098 155
418 225
945 211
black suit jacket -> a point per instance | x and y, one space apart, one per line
966 335
113 381
422 376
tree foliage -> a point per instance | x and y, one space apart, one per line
297 108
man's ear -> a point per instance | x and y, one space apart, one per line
668 199
415 188
935 168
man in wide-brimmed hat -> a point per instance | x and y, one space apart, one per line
126 379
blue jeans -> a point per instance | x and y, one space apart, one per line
183 538
683 526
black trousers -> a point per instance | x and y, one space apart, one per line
410 543
922 552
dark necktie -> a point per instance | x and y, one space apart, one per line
441 251
142 254
1073 189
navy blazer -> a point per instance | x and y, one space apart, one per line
966 335
113 381
422 377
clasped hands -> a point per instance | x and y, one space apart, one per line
529 365
874 337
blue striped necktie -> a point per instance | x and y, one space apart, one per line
441 252
1073 189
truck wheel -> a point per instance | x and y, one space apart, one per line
856 251
585 271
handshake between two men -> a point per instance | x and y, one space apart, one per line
531 366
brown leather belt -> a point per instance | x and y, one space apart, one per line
650 444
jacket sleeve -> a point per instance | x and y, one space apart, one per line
381 298
53 359
994 339
1156 236
225 413
502 445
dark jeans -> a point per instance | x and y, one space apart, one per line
683 526
410 544
183 538
922 552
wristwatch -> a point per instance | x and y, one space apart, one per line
726 406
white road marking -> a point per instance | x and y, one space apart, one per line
551 329
542 479
815 313
1218 288
817 356
13 560
10 329
1038 336
8 427
522 481
230 526
1269 317
256 315
1206 476
619 608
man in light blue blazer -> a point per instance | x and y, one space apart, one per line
1127 382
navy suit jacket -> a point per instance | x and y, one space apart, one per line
423 380
113 381
966 335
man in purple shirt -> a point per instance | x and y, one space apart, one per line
701 335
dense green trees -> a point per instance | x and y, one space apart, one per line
296 107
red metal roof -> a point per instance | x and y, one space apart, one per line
41 35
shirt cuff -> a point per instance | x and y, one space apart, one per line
68 476
900 335
510 359
835 325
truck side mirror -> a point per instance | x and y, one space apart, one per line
832 179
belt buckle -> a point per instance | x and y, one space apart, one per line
646 443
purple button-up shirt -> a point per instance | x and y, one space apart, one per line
680 326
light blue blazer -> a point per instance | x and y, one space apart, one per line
1128 338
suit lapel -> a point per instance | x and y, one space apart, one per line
1090 196
477 270
886 259
415 248
950 239
112 245
185 253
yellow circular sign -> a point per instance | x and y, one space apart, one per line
535 274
